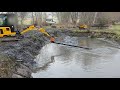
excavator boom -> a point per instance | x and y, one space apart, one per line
44 32
28 29
32 27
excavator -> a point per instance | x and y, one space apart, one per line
83 26
7 27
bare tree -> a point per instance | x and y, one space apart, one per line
22 17
33 21
63 17
44 16
74 17
58 14
95 17
38 17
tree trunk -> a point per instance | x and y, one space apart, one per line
94 17
33 18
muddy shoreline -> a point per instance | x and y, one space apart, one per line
17 58
107 36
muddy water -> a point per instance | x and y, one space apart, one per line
59 61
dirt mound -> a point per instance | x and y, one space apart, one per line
22 52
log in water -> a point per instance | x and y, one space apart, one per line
73 46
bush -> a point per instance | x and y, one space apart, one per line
45 24
53 26
103 22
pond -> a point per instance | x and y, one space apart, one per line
60 61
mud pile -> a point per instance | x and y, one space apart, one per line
17 58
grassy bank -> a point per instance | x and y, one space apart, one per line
113 32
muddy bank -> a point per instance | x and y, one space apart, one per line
17 58
106 35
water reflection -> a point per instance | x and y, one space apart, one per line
65 55
84 42
88 60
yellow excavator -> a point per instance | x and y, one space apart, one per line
83 26
7 23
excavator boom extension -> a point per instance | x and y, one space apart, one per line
32 27
44 32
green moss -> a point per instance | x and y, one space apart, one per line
77 31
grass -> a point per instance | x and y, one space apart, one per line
115 29
45 27
113 32
77 30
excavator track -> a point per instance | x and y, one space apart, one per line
9 39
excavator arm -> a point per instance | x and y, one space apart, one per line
44 32
32 27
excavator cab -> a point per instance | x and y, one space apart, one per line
7 23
